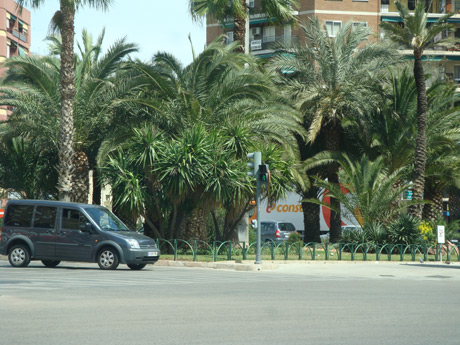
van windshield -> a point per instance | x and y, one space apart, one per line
106 219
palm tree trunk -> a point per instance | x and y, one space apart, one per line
311 214
333 137
454 204
66 135
80 178
195 225
127 218
239 33
418 176
153 228
432 211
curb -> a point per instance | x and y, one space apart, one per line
226 265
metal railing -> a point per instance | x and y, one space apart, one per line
225 251
271 42
439 6
19 35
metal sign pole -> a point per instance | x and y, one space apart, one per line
259 237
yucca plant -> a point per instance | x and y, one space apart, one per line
404 230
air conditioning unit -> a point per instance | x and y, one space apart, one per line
255 31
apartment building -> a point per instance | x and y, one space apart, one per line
14 35
333 14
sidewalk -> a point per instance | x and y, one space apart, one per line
222 265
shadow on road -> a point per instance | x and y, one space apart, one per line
438 265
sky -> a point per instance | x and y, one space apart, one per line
154 25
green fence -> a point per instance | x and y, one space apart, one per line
223 251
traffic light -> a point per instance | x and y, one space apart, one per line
252 206
264 173
254 224
255 160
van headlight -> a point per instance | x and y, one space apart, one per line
132 243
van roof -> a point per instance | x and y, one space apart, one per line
48 203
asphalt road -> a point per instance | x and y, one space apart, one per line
317 303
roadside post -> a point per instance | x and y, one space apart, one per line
255 160
441 239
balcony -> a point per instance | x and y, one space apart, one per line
19 35
435 7
271 42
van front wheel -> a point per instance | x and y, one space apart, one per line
19 255
108 259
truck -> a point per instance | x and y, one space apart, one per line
290 210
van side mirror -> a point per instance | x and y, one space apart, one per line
89 228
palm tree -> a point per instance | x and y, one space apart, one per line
389 129
417 34
27 168
329 80
372 197
63 20
443 160
31 86
281 10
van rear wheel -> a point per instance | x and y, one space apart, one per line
136 267
108 259
50 263
19 255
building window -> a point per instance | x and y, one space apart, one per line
269 34
357 24
229 37
22 51
332 27
457 33
411 5
385 5
287 34
457 73
10 22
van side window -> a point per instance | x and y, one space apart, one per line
73 219
19 215
45 217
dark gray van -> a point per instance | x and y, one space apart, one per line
53 231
